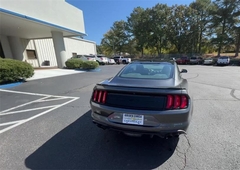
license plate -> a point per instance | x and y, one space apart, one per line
133 119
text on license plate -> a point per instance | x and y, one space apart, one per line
133 119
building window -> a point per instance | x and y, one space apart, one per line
74 54
31 54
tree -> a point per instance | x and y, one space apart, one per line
237 41
116 38
203 19
157 29
225 16
99 49
180 28
138 25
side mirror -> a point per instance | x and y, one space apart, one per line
183 71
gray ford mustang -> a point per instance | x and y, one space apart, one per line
144 98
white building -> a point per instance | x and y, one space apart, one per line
42 32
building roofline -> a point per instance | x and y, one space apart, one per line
76 38
40 21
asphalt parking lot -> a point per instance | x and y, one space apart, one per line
46 124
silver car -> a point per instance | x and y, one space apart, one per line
144 98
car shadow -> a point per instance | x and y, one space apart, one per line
82 145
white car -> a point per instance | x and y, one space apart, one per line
91 57
123 60
103 59
209 61
111 61
223 60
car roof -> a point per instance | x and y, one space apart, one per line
153 62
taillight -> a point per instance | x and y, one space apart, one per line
99 96
169 101
184 102
177 102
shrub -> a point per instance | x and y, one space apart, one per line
90 65
14 70
74 63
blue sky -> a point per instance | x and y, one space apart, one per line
99 15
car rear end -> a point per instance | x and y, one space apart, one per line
193 60
223 60
182 60
111 61
91 58
161 112
208 61
103 59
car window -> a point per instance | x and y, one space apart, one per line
148 71
193 58
223 57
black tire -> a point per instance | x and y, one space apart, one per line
124 62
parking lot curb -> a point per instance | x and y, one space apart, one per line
91 70
6 86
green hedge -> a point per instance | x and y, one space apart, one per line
14 70
90 65
74 63
79 64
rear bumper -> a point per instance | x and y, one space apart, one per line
157 123
163 134
207 63
222 63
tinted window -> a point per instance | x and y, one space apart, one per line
148 71
193 58
223 57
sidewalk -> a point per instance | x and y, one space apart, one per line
47 73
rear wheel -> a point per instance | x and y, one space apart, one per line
124 62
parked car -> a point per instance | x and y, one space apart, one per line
121 59
144 98
196 60
91 57
95 58
82 57
223 60
183 60
102 59
111 61
209 61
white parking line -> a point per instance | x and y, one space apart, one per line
4 111
27 110
44 96
34 94
48 100
10 123
33 117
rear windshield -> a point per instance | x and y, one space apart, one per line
91 56
193 58
148 71
223 57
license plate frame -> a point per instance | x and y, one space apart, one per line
133 119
